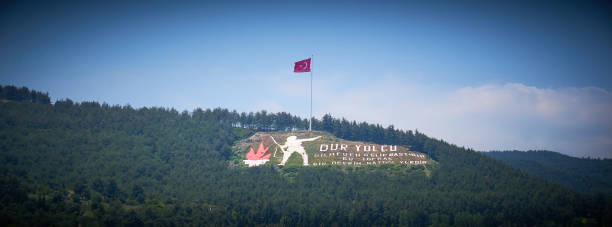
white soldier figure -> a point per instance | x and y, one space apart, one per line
295 145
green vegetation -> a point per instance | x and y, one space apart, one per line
583 174
93 164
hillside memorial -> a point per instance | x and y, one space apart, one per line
324 150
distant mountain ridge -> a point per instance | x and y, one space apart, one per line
583 174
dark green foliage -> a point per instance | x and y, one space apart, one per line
88 164
23 94
583 174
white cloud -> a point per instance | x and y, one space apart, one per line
574 121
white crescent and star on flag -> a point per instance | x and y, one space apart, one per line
304 65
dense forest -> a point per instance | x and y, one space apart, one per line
92 164
583 174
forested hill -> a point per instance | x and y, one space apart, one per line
583 174
94 164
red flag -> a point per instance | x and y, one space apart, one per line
302 66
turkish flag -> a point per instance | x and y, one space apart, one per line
302 66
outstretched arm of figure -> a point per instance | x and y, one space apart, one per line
311 139
282 147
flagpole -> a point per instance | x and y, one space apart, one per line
310 124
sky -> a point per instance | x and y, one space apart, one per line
487 75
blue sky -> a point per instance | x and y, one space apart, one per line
489 75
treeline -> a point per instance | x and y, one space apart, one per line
94 164
23 94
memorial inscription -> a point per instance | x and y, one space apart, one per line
317 149
365 154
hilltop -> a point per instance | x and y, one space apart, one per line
96 164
